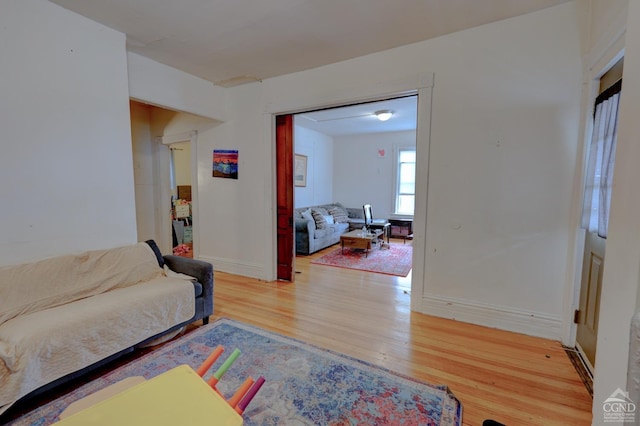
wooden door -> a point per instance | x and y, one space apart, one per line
593 264
590 288
284 196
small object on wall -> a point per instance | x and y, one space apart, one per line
225 163
300 170
381 153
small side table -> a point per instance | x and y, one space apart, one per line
402 228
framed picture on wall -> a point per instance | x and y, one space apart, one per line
300 170
225 163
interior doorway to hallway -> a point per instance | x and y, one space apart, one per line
181 199
159 183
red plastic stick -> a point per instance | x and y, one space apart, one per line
242 405
233 401
206 365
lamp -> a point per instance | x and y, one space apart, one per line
384 114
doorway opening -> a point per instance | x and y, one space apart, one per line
350 157
158 181
181 199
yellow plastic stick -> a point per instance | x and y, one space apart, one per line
224 367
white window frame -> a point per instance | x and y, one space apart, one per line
396 188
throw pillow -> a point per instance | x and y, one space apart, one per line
339 215
329 219
321 223
306 215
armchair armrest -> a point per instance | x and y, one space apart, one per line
355 213
199 269
305 225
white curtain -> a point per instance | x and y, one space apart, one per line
599 178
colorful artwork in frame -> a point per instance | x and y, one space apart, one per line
300 170
225 163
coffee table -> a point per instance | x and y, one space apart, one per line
357 240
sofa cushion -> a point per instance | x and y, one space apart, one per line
333 229
321 233
339 215
52 282
319 216
40 347
306 215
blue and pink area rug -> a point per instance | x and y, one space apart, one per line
305 385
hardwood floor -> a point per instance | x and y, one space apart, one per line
508 377
512 378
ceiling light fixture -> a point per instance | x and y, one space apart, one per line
237 81
384 115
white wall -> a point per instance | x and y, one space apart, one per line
503 135
160 85
503 146
503 155
606 18
318 148
66 164
363 175
236 225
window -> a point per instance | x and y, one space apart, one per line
599 176
406 181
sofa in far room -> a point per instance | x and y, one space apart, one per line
318 227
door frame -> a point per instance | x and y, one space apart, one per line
418 84
597 64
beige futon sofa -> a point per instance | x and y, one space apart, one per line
67 314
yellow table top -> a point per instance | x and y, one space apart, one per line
177 397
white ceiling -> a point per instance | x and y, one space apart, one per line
231 42
224 41
358 119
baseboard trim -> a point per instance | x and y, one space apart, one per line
233 267
582 366
500 317
585 360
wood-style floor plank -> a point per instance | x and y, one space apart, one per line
512 378
509 377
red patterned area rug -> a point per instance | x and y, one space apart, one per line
392 260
